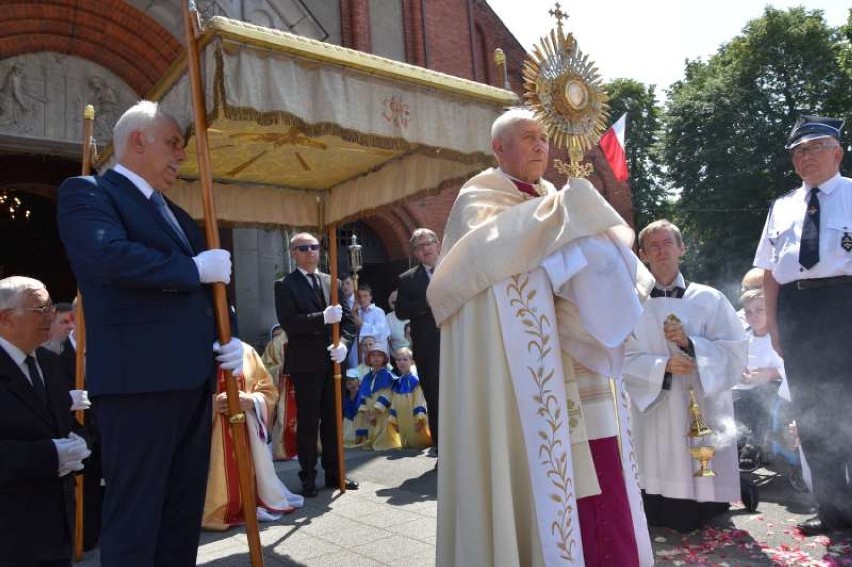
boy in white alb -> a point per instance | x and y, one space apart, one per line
758 385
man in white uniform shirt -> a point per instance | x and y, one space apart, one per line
806 249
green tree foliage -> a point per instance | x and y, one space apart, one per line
726 125
642 141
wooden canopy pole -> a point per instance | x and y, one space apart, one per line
236 418
338 380
80 338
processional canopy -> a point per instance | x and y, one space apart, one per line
291 119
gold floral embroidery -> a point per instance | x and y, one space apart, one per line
634 466
553 455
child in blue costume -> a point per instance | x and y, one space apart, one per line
376 399
408 406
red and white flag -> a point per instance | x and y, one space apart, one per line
612 144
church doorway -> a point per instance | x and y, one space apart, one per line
28 229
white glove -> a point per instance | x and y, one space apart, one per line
230 355
80 400
337 352
70 453
214 266
332 314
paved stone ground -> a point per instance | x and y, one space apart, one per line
390 521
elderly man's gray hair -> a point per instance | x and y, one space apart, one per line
508 119
137 118
14 288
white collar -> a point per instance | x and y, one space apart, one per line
17 354
828 187
677 282
138 181
305 272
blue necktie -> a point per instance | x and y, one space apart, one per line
809 247
160 203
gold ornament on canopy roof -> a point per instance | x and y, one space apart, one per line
563 87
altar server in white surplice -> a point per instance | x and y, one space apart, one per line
702 347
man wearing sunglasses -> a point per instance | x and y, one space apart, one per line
302 302
806 250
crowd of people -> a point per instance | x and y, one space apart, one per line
572 368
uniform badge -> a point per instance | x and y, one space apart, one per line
846 242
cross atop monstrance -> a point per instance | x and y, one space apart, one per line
565 91
557 13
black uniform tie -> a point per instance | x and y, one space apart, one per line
809 247
36 379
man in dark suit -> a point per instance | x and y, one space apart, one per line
141 268
39 452
411 304
302 304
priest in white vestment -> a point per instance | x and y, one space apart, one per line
703 348
535 292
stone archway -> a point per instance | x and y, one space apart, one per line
111 33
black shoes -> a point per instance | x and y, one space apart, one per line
813 526
331 482
309 489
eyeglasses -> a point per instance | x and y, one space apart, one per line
306 247
803 150
422 245
42 309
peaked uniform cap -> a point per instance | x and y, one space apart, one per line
809 127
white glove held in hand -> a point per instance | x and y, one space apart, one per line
80 400
214 266
337 352
230 356
332 314
70 453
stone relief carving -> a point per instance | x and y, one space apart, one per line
20 99
42 95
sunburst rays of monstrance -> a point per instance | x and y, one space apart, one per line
563 88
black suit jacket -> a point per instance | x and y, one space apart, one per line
36 506
300 315
411 304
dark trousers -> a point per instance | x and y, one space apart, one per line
427 372
315 416
156 456
815 325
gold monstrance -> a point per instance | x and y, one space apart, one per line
564 90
